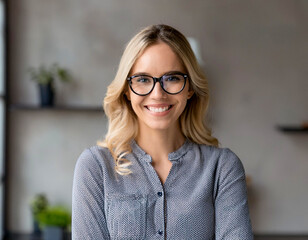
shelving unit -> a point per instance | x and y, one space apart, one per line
292 128
25 107
57 110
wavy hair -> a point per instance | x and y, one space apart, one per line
123 122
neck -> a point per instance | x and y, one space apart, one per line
159 143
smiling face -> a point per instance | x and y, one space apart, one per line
159 110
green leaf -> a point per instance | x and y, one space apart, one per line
55 216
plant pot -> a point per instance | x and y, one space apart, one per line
36 228
53 233
46 95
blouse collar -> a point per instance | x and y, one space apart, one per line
173 156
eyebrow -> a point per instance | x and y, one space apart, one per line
147 74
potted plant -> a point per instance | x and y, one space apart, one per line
54 221
45 77
38 204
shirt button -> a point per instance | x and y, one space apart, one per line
159 194
160 232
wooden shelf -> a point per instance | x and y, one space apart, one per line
55 108
292 128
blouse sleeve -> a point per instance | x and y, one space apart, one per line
88 217
231 206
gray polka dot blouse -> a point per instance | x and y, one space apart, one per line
204 196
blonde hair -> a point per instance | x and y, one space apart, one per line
123 123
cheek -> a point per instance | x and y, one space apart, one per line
184 101
184 106
135 101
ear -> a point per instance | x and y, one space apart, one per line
127 94
190 93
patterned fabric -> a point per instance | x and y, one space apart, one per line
204 196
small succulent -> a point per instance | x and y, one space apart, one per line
56 216
46 75
38 204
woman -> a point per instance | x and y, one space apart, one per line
159 174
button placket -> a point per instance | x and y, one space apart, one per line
160 201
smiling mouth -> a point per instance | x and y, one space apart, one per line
159 109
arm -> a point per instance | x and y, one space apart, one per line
88 217
231 206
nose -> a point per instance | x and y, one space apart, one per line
158 91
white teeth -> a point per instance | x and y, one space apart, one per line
153 109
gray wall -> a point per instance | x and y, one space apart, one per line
255 56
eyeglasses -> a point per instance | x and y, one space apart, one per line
172 83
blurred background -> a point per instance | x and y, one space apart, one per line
255 54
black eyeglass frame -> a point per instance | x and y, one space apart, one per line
159 79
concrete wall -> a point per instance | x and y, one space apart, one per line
255 56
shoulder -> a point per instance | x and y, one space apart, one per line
221 157
212 151
225 164
229 160
94 159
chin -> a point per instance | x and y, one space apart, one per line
160 126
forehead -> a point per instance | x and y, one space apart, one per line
158 59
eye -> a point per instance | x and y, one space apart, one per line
142 79
172 78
